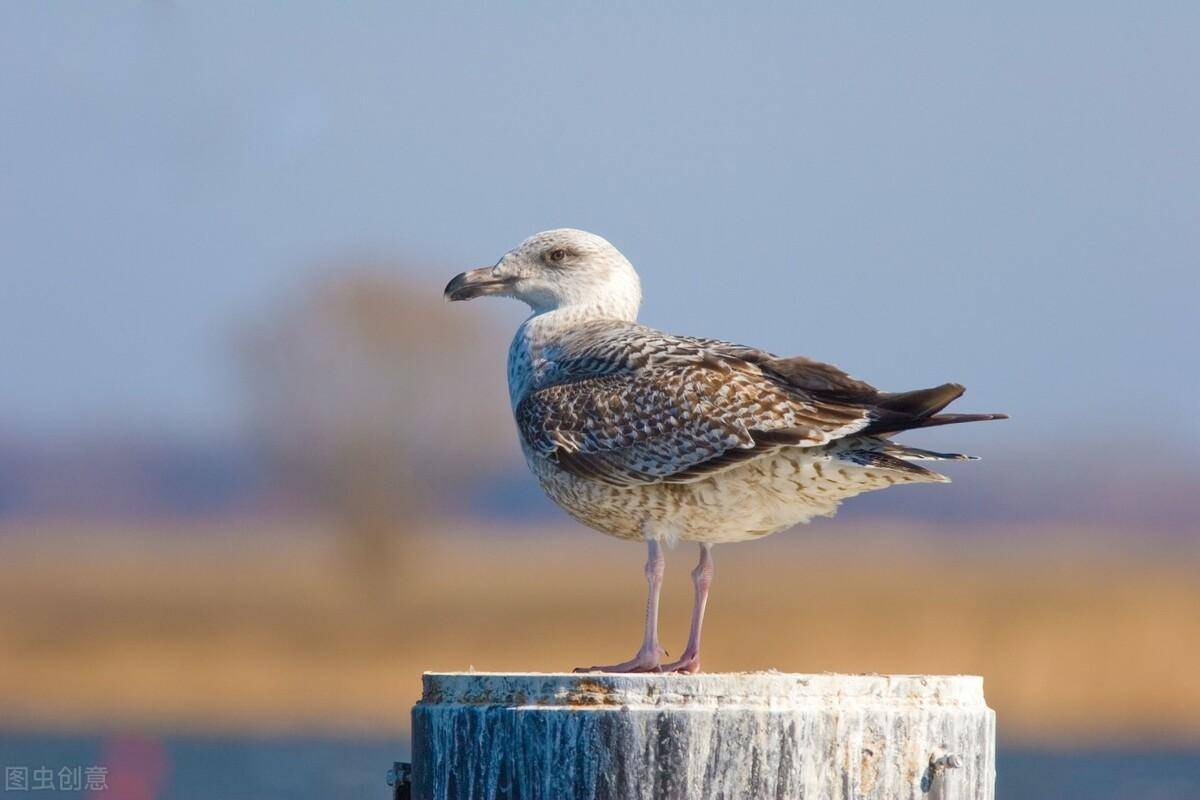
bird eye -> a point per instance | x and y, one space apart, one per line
558 255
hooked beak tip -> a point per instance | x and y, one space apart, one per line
473 283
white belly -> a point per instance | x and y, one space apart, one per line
748 501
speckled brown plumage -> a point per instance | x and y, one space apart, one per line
633 430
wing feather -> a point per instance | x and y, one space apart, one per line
633 410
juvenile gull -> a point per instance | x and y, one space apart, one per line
654 437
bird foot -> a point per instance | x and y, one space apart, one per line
646 660
689 663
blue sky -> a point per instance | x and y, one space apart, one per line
1008 198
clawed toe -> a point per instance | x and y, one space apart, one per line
687 664
644 661
624 667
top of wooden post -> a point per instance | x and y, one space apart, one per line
728 689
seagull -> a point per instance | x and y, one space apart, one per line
658 438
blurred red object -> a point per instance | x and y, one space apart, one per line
138 767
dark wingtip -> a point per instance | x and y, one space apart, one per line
954 419
887 426
920 403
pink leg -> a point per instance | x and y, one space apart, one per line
702 578
650 654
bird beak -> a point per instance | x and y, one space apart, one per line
476 283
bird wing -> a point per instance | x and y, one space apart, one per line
629 405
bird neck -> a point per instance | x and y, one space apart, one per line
621 305
617 308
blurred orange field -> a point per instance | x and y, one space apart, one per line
254 627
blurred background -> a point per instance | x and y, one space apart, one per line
255 475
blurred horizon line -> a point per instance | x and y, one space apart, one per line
126 477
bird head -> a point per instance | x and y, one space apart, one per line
559 269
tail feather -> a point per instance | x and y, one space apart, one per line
882 460
918 454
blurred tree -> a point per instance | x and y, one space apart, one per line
377 403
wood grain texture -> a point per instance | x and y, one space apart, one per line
734 735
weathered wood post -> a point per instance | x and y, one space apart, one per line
734 735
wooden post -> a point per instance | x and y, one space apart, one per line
592 736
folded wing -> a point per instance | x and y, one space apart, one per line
646 409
